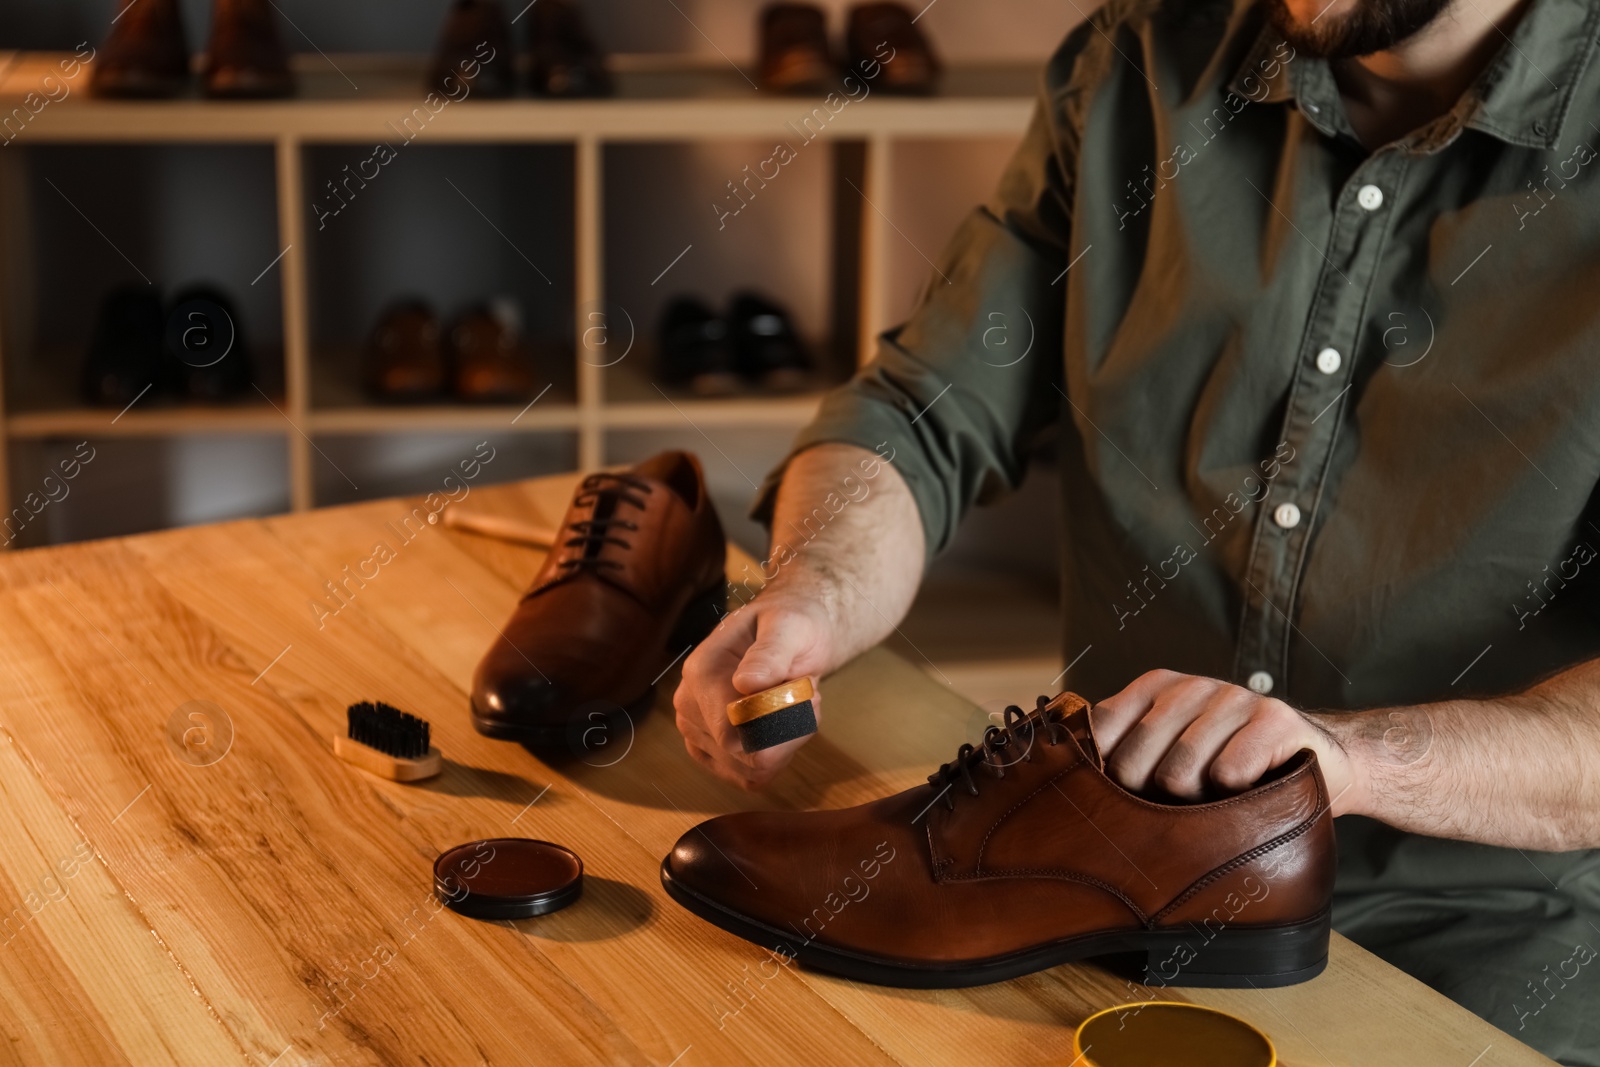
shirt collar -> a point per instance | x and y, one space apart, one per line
1522 97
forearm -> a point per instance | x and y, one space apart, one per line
846 534
1520 771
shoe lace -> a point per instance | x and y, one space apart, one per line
994 752
603 493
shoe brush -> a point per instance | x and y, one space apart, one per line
774 715
385 741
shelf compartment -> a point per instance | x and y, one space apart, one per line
132 485
351 467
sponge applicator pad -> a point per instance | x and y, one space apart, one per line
775 715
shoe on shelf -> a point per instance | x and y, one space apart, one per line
635 578
403 361
1021 854
246 59
767 349
884 45
695 349
488 362
125 351
795 57
474 51
146 54
208 359
566 60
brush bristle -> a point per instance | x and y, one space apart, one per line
388 730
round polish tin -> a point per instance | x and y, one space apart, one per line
507 878
1172 1034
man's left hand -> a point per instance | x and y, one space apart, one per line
1195 737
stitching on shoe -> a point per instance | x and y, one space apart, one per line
1059 874
1082 761
1237 862
984 844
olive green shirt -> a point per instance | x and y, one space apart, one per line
1328 418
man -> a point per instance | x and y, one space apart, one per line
1309 289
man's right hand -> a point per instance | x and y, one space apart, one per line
775 638
845 562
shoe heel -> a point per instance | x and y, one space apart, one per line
1239 957
700 616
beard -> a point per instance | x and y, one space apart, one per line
1371 26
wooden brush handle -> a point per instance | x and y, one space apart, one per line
500 527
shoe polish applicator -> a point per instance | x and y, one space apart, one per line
385 741
774 715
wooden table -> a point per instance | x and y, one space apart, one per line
272 906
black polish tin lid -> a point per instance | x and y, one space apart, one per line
507 878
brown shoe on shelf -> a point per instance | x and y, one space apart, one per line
404 357
1020 855
634 580
883 45
246 59
488 362
474 52
795 57
146 54
566 60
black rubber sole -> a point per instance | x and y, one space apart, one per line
1259 957
700 616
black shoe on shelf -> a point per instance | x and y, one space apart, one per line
767 349
208 361
694 352
146 54
124 357
566 60
474 54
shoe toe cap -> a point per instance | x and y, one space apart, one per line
508 687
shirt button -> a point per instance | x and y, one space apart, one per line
1329 360
1260 682
1370 197
1286 515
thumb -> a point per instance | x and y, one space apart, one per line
780 637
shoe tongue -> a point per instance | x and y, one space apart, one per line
1074 713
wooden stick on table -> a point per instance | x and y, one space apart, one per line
500 527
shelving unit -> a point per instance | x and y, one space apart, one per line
659 100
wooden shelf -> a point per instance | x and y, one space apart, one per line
657 99
444 418
365 99
151 422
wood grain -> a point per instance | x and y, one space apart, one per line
272 906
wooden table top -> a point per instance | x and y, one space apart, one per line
260 901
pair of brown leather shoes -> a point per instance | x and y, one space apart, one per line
146 54
475 50
882 47
480 359
1022 854
634 580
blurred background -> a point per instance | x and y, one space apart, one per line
576 226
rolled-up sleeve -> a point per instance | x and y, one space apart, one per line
956 396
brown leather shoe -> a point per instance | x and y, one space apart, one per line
884 46
146 54
1020 855
474 52
794 50
488 362
404 360
634 581
246 58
